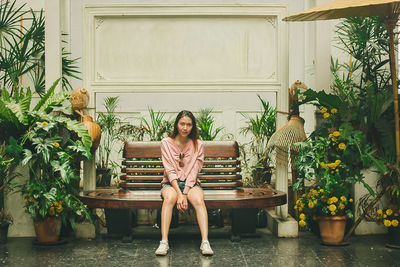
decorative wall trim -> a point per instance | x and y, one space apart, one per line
95 21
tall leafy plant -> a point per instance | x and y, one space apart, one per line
206 125
261 127
109 123
22 49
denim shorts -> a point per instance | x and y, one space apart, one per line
181 185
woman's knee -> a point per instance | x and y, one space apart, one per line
169 197
196 198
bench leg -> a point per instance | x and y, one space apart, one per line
119 223
243 222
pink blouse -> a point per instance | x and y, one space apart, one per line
192 161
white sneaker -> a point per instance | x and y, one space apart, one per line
162 248
205 248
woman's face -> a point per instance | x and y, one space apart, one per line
185 126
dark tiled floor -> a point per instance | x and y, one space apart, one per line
264 250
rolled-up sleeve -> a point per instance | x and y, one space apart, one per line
168 162
192 176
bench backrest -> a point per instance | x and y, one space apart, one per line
143 169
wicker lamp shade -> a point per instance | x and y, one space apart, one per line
284 138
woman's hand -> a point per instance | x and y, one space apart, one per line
182 203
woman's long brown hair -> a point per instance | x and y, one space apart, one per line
194 134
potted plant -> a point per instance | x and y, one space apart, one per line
332 158
48 146
390 218
261 128
109 123
256 163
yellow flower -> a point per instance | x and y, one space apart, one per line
26 201
350 200
332 207
298 202
330 135
342 146
326 115
302 216
321 190
333 213
334 139
343 198
302 223
310 204
395 223
59 209
389 212
336 133
315 201
334 199
44 123
56 145
338 161
387 223
337 170
329 201
314 191
334 110
341 206
384 216
323 110
51 211
322 164
396 215
379 212
332 165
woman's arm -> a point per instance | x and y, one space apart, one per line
192 176
168 162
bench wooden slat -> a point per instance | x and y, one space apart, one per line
128 163
161 170
159 178
203 185
227 149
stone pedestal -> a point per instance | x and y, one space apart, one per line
282 227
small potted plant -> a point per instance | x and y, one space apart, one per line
109 123
330 210
332 158
390 217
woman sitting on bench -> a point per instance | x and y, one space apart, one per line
182 155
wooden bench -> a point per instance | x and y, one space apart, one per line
220 177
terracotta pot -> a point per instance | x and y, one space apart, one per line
93 129
48 230
79 98
332 229
393 237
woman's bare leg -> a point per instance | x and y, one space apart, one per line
170 197
196 198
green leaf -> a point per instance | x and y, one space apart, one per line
46 96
